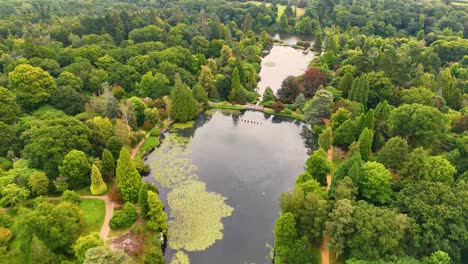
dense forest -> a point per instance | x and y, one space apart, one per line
84 83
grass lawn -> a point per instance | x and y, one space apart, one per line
291 115
281 8
150 143
226 106
94 212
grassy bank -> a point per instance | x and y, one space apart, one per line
94 212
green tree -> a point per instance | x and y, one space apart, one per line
376 185
365 143
422 167
68 100
318 107
310 211
345 134
71 197
345 83
128 179
438 257
417 124
76 169
318 166
268 95
237 94
439 214
200 94
47 143
40 253
98 186
384 227
32 85
154 86
13 194
114 145
143 197
394 153
38 183
58 226
107 165
184 106
105 255
325 139
285 234
345 169
419 95
339 117
69 79
380 88
157 218
340 226
9 111
85 242
360 90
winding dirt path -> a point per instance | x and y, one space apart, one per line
104 232
135 150
324 251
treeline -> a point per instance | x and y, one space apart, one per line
394 111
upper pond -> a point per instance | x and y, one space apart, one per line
246 161
281 62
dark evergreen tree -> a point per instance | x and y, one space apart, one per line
184 106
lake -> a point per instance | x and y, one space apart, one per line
283 61
222 178
250 159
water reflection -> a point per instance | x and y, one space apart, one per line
281 62
250 164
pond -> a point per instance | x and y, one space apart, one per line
233 169
291 39
283 61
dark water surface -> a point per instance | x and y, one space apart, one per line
249 158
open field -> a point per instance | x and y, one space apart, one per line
281 8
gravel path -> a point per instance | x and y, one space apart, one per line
109 212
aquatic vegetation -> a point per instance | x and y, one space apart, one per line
195 221
185 125
180 258
197 216
173 166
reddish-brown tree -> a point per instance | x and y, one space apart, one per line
313 78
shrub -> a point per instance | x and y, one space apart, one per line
136 138
140 165
268 104
155 132
124 218
5 164
5 236
71 196
278 106
287 111
115 195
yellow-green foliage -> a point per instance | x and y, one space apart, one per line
196 214
98 186
184 125
180 258
5 236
